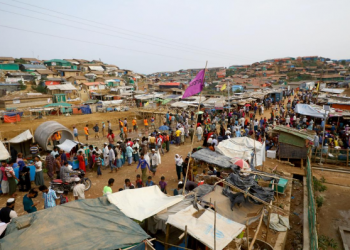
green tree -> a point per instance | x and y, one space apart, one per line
343 62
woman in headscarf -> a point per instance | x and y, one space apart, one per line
24 180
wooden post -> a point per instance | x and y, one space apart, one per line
186 236
257 231
214 225
167 236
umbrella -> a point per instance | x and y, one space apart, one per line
240 162
164 127
248 105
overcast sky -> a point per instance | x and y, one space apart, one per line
163 35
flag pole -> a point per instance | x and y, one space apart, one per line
198 109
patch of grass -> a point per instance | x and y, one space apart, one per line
318 184
319 201
325 242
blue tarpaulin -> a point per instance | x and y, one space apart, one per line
86 109
13 113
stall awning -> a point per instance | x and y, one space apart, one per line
67 145
202 228
144 202
305 109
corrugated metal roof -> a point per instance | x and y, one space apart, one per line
33 66
94 83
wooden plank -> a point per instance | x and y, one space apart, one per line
345 235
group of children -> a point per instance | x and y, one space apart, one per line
138 184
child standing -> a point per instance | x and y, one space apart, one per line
163 184
128 184
139 183
149 181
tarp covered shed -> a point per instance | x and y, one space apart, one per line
242 147
82 224
44 132
202 228
144 202
293 143
212 157
22 142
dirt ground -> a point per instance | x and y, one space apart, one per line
334 212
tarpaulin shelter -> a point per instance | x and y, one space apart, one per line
67 145
144 202
81 224
44 132
242 147
4 154
202 228
212 157
11 117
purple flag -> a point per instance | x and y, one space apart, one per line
196 85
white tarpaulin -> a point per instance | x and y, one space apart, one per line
67 145
4 154
25 136
242 147
305 109
111 103
142 203
335 91
202 228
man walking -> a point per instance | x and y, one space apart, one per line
96 129
79 189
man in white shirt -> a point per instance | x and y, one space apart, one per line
154 161
78 190
105 155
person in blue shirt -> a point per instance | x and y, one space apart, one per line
149 182
50 197
322 123
28 204
143 163
129 154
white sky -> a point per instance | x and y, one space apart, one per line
173 35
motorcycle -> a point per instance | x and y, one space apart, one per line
59 185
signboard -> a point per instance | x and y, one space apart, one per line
16 101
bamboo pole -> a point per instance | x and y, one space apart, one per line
198 109
167 236
267 175
214 225
247 226
257 231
